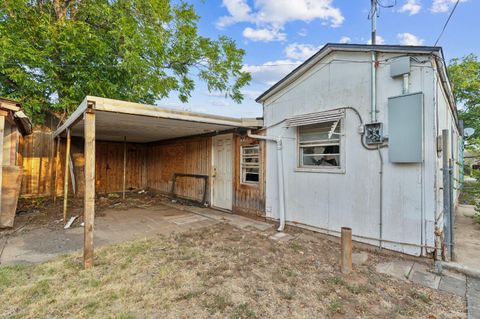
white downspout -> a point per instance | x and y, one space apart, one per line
281 189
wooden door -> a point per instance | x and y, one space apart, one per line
222 188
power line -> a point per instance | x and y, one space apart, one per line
446 23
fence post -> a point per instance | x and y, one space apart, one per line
346 259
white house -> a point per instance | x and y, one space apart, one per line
359 132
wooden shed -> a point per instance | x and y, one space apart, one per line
116 145
13 124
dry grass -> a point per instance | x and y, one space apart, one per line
219 272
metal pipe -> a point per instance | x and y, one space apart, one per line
374 62
374 88
405 83
346 251
281 189
381 198
447 206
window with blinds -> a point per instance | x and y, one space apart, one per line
250 164
319 145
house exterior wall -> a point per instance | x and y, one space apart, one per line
150 165
351 197
248 199
187 156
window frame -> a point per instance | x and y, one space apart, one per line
340 169
242 175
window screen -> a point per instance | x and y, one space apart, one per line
317 147
250 164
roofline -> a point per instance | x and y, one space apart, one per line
137 109
14 108
330 47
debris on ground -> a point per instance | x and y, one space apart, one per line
70 222
43 213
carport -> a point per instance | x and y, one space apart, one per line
108 120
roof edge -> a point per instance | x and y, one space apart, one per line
330 47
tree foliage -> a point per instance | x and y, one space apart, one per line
54 52
465 77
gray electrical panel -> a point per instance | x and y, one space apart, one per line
400 66
405 128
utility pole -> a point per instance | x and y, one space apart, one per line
373 79
373 15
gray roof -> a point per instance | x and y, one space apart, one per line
329 47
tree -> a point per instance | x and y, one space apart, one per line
55 52
465 78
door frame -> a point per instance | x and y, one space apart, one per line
212 165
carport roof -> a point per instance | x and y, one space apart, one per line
141 123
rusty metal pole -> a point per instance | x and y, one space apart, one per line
346 258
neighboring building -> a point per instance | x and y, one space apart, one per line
13 124
390 194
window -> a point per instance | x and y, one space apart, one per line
319 145
250 164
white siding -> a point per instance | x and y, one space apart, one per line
329 201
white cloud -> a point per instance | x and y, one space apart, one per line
300 51
345 40
239 11
303 32
251 94
409 39
411 6
270 72
264 34
378 40
219 102
442 5
275 13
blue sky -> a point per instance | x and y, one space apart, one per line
277 35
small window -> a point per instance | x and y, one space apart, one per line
319 145
250 164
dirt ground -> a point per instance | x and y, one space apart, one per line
219 271
467 237
41 212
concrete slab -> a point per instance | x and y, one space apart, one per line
473 298
188 219
113 226
281 237
229 218
453 285
359 258
398 269
420 275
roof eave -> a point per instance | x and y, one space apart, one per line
330 47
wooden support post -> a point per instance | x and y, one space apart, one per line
346 259
124 165
2 128
57 163
65 177
89 198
